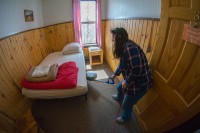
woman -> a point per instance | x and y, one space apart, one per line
135 70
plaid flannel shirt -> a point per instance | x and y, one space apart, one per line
134 68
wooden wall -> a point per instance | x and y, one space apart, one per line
142 31
21 51
7 125
57 36
17 54
169 103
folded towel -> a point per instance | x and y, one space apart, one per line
94 49
51 76
41 71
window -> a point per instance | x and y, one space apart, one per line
88 22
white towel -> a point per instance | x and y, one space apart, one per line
41 71
94 49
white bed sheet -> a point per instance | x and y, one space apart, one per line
58 57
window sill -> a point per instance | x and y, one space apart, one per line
89 45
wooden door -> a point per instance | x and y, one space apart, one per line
175 96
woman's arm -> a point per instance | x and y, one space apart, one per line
118 70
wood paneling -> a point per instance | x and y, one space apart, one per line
153 37
17 54
86 52
174 97
143 32
57 36
26 123
6 124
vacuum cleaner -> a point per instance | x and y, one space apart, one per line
91 76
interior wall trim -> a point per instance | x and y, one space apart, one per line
16 33
132 18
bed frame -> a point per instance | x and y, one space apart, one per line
60 58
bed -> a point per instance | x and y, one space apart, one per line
60 58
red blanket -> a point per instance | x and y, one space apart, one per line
66 79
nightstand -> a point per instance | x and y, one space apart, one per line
96 56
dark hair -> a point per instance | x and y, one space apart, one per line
121 37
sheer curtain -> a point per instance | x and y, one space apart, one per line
77 21
98 23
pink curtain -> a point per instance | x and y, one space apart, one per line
98 24
77 21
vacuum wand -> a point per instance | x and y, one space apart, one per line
109 81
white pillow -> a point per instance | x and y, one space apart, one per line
71 48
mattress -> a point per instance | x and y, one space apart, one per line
58 57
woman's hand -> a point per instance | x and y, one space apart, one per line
124 84
113 77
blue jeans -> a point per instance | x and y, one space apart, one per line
128 101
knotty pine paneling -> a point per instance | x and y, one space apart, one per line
6 125
21 51
57 36
27 123
142 31
18 53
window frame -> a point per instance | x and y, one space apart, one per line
91 22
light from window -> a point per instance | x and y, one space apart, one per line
88 22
